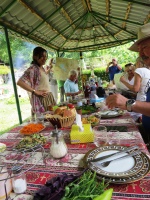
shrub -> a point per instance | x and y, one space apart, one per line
100 72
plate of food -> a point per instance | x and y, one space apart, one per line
91 120
32 128
30 142
111 113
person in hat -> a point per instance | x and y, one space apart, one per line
142 45
113 68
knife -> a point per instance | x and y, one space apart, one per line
110 155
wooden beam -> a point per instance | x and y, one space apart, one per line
84 5
88 5
65 13
127 14
107 8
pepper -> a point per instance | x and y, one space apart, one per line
105 195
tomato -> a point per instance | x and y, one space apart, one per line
70 105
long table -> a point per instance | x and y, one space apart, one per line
48 167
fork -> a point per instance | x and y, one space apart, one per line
105 164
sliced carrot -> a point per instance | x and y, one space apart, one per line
31 128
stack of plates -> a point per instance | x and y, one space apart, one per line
119 171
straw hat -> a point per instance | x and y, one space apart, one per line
143 33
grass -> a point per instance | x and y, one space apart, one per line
9 115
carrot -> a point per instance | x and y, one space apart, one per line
31 128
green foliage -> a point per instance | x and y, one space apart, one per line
100 72
12 100
4 70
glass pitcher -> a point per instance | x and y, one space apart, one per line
58 148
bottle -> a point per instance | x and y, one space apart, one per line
93 88
19 182
58 148
100 90
87 90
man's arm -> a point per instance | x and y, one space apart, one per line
73 93
107 69
117 100
119 67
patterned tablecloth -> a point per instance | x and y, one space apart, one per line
47 168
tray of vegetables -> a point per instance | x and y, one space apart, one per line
31 142
88 109
82 186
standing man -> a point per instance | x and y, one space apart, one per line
113 68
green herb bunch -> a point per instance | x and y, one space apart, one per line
87 187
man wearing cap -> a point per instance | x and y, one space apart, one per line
113 68
142 45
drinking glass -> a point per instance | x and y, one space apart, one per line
100 135
40 117
113 137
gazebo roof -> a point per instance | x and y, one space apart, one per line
75 25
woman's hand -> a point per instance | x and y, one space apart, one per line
42 93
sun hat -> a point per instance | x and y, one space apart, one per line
143 33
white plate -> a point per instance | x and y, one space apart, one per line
132 178
117 168
110 114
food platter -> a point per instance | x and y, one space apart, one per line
21 131
111 113
120 171
31 142
94 121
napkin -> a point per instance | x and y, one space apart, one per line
79 122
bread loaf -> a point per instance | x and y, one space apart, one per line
60 110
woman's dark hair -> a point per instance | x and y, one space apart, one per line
128 64
38 51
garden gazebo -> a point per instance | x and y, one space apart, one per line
72 25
